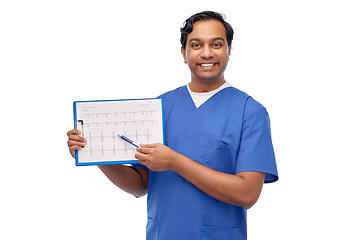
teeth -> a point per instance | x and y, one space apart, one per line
207 64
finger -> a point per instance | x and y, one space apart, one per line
151 145
143 150
79 143
74 147
76 143
73 135
77 138
73 132
140 157
143 145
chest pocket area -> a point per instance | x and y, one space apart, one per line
207 150
219 156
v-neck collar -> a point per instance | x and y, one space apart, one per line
207 100
185 115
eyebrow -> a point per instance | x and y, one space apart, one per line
199 40
194 40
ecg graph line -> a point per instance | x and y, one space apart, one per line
114 135
113 150
115 114
121 122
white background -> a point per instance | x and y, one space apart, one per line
300 59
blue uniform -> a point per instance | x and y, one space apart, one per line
229 133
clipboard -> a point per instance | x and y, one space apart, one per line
102 122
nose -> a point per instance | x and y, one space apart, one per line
206 52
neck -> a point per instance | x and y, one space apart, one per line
201 87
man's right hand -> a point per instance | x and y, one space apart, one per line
75 142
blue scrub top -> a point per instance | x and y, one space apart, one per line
229 133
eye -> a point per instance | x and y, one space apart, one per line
195 45
217 45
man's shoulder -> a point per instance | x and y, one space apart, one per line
247 102
245 98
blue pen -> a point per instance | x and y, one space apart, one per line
129 141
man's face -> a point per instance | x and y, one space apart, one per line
207 52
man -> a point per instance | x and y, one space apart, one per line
218 150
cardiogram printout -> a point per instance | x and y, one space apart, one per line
101 123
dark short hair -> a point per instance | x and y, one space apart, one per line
187 28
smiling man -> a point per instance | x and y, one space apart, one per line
206 51
218 150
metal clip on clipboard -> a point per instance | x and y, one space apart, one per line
79 125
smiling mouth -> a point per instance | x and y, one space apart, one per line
207 64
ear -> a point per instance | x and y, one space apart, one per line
183 52
229 51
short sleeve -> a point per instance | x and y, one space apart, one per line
256 151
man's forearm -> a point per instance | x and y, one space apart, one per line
242 190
